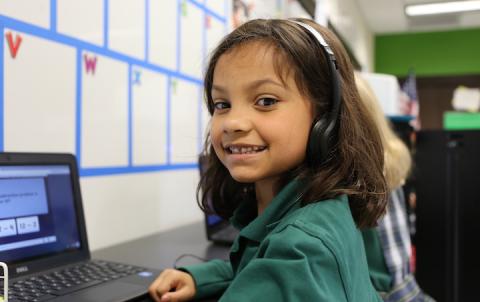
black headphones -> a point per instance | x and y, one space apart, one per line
323 134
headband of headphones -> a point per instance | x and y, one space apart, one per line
322 134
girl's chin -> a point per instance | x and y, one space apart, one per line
244 175
244 178
253 178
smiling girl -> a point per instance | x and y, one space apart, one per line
295 162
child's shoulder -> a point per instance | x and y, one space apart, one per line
327 220
325 232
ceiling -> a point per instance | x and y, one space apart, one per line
387 16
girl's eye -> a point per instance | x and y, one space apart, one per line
221 105
266 102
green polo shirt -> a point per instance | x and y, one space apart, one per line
291 253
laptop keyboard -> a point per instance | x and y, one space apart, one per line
48 286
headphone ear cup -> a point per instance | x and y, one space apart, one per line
318 143
322 134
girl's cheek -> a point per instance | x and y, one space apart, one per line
214 132
216 142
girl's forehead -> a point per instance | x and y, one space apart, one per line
258 49
259 53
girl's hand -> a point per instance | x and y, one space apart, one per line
173 286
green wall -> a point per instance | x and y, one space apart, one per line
429 53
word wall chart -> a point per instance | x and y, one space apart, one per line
116 82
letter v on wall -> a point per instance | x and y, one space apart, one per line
13 45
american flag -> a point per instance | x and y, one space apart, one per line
411 106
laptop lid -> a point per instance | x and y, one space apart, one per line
42 223
218 229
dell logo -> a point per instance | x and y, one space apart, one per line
22 269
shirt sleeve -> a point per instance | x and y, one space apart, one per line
292 266
211 278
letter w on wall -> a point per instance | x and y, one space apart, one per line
90 63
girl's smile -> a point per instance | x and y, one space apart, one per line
243 148
237 154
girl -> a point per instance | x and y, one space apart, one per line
388 246
295 162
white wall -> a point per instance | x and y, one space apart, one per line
347 19
119 84
125 207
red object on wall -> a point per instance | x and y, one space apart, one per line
13 45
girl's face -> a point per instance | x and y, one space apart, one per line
261 124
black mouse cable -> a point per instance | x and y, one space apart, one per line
182 256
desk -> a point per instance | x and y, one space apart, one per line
160 250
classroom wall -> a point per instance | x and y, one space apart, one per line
119 84
350 24
429 53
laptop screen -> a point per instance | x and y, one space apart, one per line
37 212
218 229
213 220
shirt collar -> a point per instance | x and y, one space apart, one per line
256 228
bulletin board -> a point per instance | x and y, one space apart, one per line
117 83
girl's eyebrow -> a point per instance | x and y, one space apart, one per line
260 82
251 85
219 88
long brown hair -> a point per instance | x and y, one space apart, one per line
356 161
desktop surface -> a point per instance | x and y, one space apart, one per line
161 250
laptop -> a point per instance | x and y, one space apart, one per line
218 229
43 237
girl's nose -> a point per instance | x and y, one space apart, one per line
236 123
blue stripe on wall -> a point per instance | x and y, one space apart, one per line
78 104
105 23
129 112
139 169
200 121
169 99
53 15
179 35
2 104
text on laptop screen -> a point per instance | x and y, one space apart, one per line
37 212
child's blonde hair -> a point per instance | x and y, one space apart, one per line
398 161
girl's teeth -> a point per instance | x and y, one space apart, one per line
244 150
